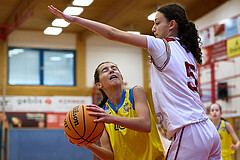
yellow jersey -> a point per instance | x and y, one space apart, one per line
226 139
128 144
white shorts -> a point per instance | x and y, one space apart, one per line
198 141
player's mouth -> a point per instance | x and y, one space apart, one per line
113 77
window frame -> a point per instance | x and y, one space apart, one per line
41 66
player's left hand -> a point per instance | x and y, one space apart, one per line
102 115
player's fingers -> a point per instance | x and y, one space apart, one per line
54 10
98 120
96 114
51 7
93 108
233 147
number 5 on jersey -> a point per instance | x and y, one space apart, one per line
189 69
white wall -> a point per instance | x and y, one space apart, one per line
36 39
128 58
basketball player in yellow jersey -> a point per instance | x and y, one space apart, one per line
226 140
226 132
141 149
130 130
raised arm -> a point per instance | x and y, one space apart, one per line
104 30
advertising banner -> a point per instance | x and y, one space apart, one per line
43 103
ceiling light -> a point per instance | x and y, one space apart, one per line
52 31
82 2
151 17
134 32
60 23
75 11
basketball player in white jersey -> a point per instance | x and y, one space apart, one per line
174 51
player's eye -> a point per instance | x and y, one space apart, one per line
104 70
156 23
114 68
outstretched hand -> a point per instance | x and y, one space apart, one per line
60 14
102 115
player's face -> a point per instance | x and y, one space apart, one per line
161 26
109 75
215 111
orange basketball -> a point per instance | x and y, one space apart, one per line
80 128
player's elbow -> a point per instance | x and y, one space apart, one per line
148 130
147 127
113 34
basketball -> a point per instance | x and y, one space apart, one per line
80 128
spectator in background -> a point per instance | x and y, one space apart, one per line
41 124
226 132
16 122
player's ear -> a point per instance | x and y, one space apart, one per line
172 24
98 85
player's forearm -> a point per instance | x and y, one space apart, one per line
135 123
100 152
235 139
97 27
238 144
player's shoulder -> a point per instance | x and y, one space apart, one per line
137 88
153 39
228 124
137 91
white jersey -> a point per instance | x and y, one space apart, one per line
174 85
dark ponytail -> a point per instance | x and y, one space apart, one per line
104 98
187 31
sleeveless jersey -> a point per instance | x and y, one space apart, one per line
226 139
128 144
174 85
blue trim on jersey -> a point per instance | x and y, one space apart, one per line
226 126
131 97
219 124
121 103
104 106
